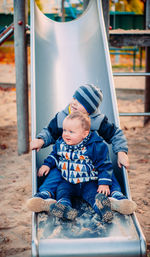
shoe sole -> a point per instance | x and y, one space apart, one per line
57 209
38 204
107 217
62 211
123 206
70 214
104 206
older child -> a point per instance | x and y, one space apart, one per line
86 99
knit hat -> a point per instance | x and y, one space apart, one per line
89 96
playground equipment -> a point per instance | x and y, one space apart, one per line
63 56
6 33
131 51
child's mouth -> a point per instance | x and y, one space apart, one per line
73 108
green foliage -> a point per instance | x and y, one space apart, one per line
136 6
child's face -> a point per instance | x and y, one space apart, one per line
73 132
76 106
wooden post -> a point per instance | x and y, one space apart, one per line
105 5
147 79
21 76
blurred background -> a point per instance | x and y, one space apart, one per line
123 14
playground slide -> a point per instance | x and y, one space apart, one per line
63 56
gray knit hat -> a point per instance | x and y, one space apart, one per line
89 96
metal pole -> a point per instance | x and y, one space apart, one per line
132 74
21 76
147 80
105 4
85 4
63 10
143 114
6 33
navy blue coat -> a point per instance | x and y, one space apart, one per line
84 162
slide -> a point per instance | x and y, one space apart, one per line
63 56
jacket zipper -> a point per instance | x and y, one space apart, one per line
69 164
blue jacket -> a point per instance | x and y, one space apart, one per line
84 162
110 133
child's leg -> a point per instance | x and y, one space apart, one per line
45 197
99 202
115 184
63 207
51 182
119 202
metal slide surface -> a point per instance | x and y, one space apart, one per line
63 56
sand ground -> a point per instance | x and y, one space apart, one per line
15 171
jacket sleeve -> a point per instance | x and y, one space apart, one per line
52 160
51 133
102 164
113 135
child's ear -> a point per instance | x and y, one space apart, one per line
86 133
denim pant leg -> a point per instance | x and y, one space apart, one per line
65 192
51 182
115 185
89 192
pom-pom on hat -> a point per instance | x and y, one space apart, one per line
89 96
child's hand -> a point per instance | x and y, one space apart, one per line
104 189
43 170
123 160
36 144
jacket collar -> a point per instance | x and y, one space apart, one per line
91 138
80 145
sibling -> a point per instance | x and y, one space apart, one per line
86 99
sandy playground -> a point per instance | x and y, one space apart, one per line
15 171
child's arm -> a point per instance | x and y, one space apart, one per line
114 135
102 163
44 170
103 189
50 162
47 136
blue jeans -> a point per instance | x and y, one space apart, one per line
51 182
115 185
54 177
66 191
